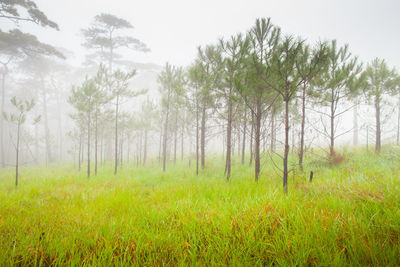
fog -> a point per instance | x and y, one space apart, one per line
173 31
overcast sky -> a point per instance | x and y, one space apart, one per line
174 28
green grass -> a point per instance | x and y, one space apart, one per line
349 215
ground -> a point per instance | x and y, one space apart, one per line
348 215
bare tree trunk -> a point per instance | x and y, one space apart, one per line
165 135
80 150
251 139
96 142
257 139
121 149
116 137
160 146
197 137
273 130
59 124
145 148
293 135
302 127
101 147
182 140
286 151
203 136
88 146
238 138
332 117
228 140
140 148
244 135
378 124
128 148
175 135
46 129
17 154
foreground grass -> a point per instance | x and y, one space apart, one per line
349 215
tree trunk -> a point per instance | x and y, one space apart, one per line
88 146
302 127
80 151
228 140
238 139
95 145
175 135
182 140
203 136
145 148
116 137
165 135
332 118
244 135
251 139
272 148
286 151
197 137
160 146
59 124
17 154
378 124
46 129
257 139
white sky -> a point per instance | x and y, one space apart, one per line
173 29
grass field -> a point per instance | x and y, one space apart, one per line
349 215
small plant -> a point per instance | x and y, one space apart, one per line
336 159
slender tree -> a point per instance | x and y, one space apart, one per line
380 81
23 107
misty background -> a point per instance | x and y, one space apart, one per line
173 30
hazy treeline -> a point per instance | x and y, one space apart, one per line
254 92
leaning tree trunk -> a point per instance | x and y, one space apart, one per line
378 124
